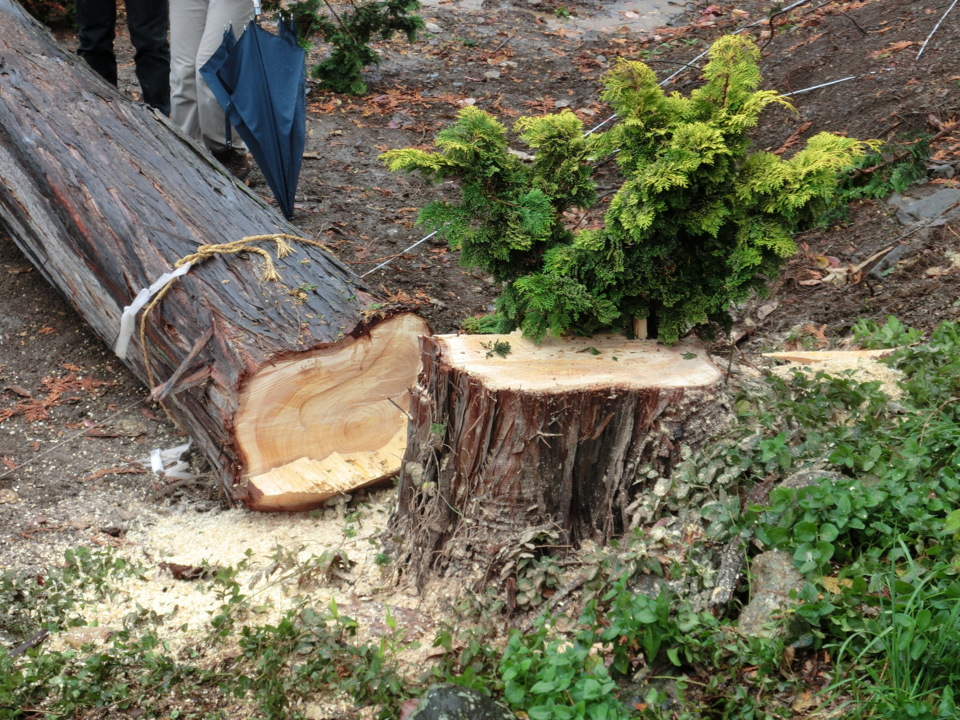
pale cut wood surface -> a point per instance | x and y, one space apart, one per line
338 415
811 357
306 483
557 365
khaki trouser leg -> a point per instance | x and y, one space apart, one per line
196 31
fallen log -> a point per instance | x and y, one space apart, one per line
510 440
104 198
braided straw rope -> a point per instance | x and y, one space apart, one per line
205 252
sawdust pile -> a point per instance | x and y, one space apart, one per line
282 560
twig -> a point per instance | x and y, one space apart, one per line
828 84
935 28
32 642
772 16
735 32
855 23
900 156
390 400
554 601
339 21
497 48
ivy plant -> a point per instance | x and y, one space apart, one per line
699 221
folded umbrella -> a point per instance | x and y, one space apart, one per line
260 82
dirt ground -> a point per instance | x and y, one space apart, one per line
75 427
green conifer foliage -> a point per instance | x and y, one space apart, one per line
698 222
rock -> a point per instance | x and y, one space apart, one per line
774 576
8 496
732 558
764 310
562 103
432 27
943 171
491 74
452 702
130 427
931 207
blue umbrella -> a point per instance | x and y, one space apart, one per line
260 81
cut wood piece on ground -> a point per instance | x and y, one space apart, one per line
508 436
104 198
810 357
860 365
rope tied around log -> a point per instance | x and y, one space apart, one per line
269 273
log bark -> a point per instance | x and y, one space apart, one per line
103 196
549 439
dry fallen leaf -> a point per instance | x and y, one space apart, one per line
803 702
834 585
892 48
764 310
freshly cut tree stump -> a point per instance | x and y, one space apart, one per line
267 377
548 436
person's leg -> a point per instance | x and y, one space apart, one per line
221 15
97 20
187 21
148 21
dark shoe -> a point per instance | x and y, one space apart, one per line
238 164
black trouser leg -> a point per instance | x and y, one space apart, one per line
97 20
149 23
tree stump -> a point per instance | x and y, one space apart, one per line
551 436
294 390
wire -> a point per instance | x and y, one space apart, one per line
390 260
935 28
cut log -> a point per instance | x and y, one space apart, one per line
104 197
508 436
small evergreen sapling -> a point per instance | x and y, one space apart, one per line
350 33
698 222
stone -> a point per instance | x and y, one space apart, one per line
943 171
131 427
774 577
432 27
491 74
452 702
911 210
